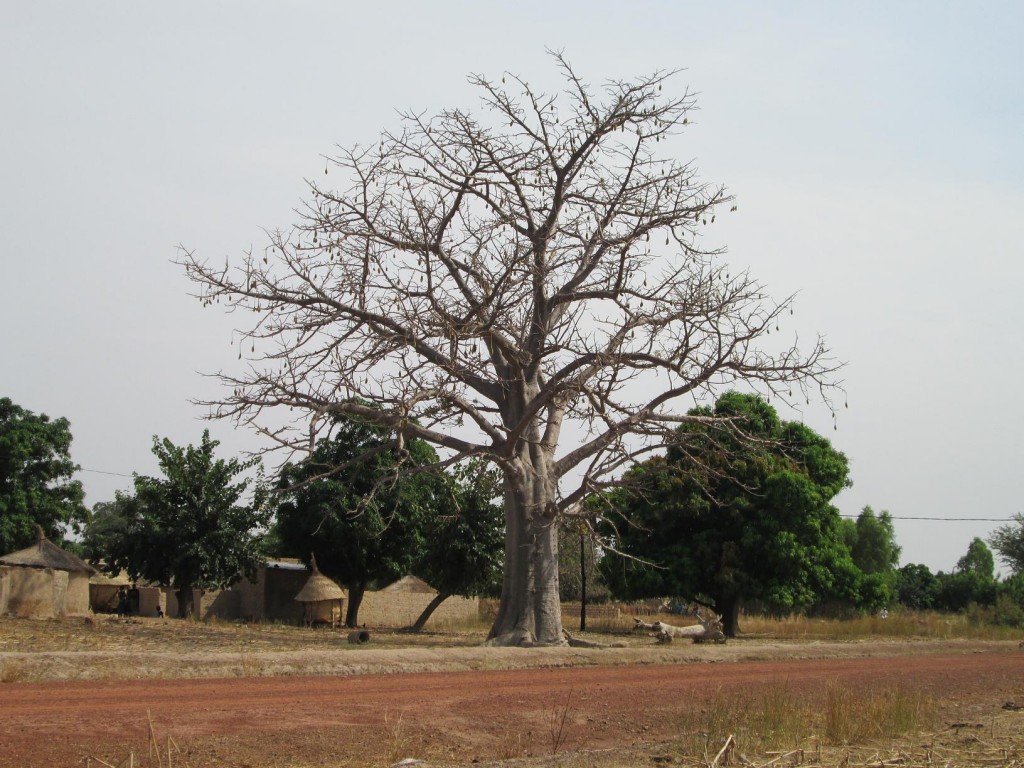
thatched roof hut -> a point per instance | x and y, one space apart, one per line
45 554
44 581
412 584
322 599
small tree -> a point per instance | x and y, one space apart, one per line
105 528
362 522
872 541
579 574
722 517
495 284
1008 541
972 581
917 587
191 528
462 545
578 557
36 488
978 560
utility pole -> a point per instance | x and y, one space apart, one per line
583 583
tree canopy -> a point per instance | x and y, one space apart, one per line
917 587
194 526
36 488
363 523
723 518
872 541
972 581
462 544
105 527
493 282
1008 541
978 560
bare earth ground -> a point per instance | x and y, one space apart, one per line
275 696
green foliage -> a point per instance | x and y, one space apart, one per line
1013 588
872 541
958 590
464 540
1008 541
1002 612
734 516
916 587
190 527
348 506
105 528
972 581
36 488
978 560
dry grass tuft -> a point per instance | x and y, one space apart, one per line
773 720
886 713
14 672
899 624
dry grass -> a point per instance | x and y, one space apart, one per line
73 649
774 719
899 624
776 727
14 671
886 713
779 728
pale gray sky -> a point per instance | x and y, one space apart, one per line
874 149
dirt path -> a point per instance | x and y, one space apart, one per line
368 719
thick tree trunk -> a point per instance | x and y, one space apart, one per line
530 612
729 609
185 606
428 611
355 599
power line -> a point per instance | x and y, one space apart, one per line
102 472
950 519
852 517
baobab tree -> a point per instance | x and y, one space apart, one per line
525 285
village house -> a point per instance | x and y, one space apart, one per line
44 581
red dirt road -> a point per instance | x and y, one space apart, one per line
442 716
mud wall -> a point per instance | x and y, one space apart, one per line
29 592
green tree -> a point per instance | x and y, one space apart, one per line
1013 588
972 581
351 506
872 541
916 587
727 517
105 528
978 560
190 528
36 488
492 282
1008 541
462 546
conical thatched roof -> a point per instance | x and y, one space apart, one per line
319 588
119 579
410 583
45 554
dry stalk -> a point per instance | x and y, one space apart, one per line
559 722
730 744
154 747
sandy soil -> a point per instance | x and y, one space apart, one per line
477 704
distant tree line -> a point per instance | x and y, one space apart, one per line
744 517
730 517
